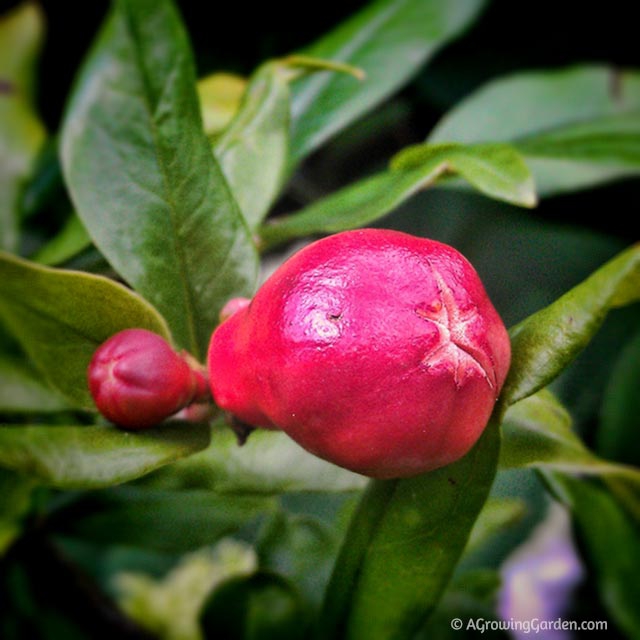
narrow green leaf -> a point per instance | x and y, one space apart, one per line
142 176
60 317
610 540
403 545
495 170
577 127
23 390
497 514
268 463
546 342
253 149
91 457
390 40
21 131
537 433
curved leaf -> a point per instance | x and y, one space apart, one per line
268 463
537 433
142 176
495 170
220 96
389 40
547 341
403 544
21 131
90 457
577 127
61 317
69 242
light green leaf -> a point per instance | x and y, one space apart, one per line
61 317
23 390
497 514
546 342
142 176
537 433
268 463
91 457
495 170
610 541
403 545
577 127
390 40
21 131
220 96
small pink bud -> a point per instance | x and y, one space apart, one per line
376 350
137 380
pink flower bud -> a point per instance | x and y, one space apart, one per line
373 349
137 380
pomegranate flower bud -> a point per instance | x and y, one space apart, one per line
137 380
376 350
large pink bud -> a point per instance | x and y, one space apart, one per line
137 380
373 349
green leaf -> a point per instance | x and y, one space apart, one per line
537 433
15 500
142 176
268 463
21 131
403 545
61 317
91 457
610 541
497 514
495 170
220 96
546 342
69 242
390 40
23 390
167 521
617 436
577 127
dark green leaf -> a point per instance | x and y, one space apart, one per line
610 540
390 40
15 500
70 240
23 390
142 176
495 170
258 607
88 457
577 127
170 521
537 432
546 342
617 435
403 545
61 317
268 463
21 132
